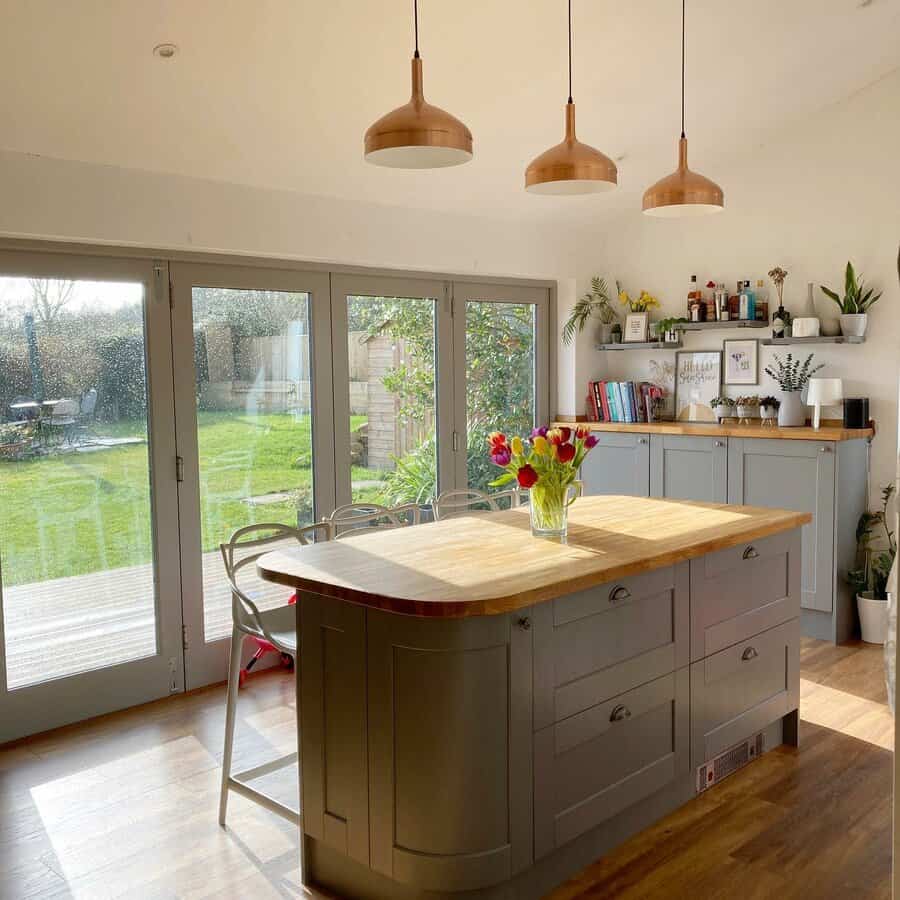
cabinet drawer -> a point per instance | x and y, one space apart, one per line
593 765
595 644
739 691
741 591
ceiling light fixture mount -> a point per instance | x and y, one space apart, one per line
165 51
683 193
418 135
571 167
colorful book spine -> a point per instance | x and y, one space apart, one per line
612 402
598 401
594 414
604 401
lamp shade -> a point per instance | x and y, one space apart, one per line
823 392
684 192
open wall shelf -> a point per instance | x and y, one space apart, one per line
786 342
643 345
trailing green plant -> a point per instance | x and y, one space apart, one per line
857 298
597 302
791 374
876 547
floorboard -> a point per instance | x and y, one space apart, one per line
125 806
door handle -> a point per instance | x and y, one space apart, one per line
620 713
718 444
751 553
749 653
619 594
642 440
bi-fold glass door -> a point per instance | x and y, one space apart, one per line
255 442
90 597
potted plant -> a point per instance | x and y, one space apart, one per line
597 303
747 408
616 333
668 330
875 555
792 376
723 408
855 303
768 410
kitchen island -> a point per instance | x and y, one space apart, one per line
482 713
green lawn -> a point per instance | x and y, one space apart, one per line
72 513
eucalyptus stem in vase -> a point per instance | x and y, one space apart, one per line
792 376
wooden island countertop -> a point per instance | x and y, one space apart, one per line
489 563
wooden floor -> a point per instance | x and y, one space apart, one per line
125 806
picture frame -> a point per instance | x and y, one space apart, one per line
698 381
637 328
741 361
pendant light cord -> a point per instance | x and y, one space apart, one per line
570 51
416 26
683 2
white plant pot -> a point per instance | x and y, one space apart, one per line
747 412
604 333
768 412
873 618
792 412
854 325
723 412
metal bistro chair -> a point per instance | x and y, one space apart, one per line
451 504
62 419
277 626
360 518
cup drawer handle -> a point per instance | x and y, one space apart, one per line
751 553
749 653
619 594
620 713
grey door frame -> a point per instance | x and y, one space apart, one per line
541 298
75 697
371 285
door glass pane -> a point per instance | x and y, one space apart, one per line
254 431
500 378
393 447
76 546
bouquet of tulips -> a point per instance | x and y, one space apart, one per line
549 458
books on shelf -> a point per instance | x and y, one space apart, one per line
622 401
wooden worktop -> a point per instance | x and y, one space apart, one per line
830 431
487 564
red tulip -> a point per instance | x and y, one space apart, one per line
582 431
527 476
566 432
565 452
496 439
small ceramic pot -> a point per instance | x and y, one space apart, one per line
768 414
873 616
723 412
747 412
792 412
854 324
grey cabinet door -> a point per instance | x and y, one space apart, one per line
619 464
450 759
797 475
689 468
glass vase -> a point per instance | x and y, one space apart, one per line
549 504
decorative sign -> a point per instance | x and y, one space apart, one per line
637 328
741 362
698 377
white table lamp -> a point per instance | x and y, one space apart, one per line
823 392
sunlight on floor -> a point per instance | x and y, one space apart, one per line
854 716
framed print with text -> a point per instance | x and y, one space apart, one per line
698 378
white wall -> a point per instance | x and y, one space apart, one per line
824 191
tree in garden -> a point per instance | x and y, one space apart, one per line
49 297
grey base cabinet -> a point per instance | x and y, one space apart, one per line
619 464
688 468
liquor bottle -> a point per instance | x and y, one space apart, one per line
778 322
751 301
762 301
721 303
692 295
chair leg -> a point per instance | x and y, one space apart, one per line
234 673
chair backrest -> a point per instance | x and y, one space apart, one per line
360 518
466 502
22 415
245 547
89 403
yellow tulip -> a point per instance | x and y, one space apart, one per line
516 444
541 447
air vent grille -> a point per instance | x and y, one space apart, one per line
723 765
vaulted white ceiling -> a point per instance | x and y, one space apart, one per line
278 93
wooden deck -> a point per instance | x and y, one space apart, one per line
66 625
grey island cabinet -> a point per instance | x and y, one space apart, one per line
482 713
823 472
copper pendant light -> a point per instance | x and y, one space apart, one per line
571 167
683 193
418 135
